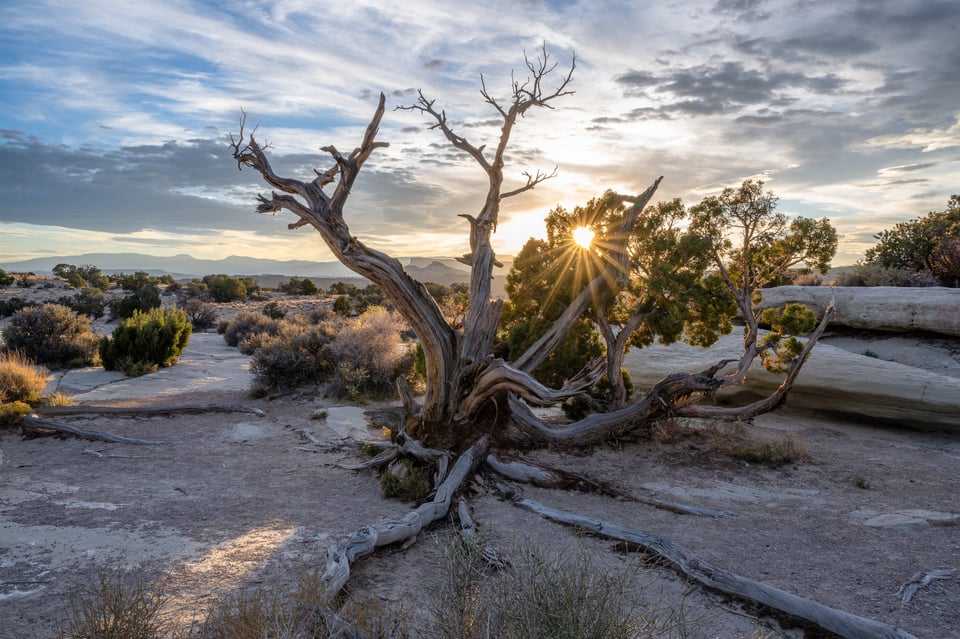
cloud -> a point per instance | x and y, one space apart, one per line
724 88
927 139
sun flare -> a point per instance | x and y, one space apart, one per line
583 236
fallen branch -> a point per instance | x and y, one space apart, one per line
88 409
842 623
100 455
528 472
308 435
920 580
368 539
32 421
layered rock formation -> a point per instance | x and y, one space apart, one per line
833 381
878 308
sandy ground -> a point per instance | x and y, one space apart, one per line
231 500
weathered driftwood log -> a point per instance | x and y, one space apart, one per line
842 623
164 409
366 540
32 421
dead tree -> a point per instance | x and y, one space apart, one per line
474 400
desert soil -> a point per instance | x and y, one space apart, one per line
232 500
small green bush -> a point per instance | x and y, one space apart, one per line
12 413
146 341
89 302
10 306
52 335
141 300
223 288
273 311
6 279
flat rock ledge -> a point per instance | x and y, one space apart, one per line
905 519
878 308
833 381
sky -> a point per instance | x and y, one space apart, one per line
117 115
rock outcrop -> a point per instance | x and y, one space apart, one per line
833 381
878 308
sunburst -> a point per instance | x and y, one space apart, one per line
583 236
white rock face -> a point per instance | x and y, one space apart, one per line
833 381
878 308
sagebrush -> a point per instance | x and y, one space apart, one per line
53 335
146 341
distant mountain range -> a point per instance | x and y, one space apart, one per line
426 269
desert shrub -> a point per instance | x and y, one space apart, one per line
10 306
146 341
298 286
296 354
135 281
358 357
880 275
89 302
12 413
6 279
52 335
20 379
342 305
807 279
223 288
200 314
141 300
26 280
273 311
117 605
927 244
82 276
245 324
369 354
192 289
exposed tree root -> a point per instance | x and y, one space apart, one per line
165 409
32 421
368 539
844 624
528 472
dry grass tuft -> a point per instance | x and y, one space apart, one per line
750 445
115 606
20 379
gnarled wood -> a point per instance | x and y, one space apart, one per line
32 421
839 622
366 540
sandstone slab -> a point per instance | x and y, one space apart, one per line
833 381
878 308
